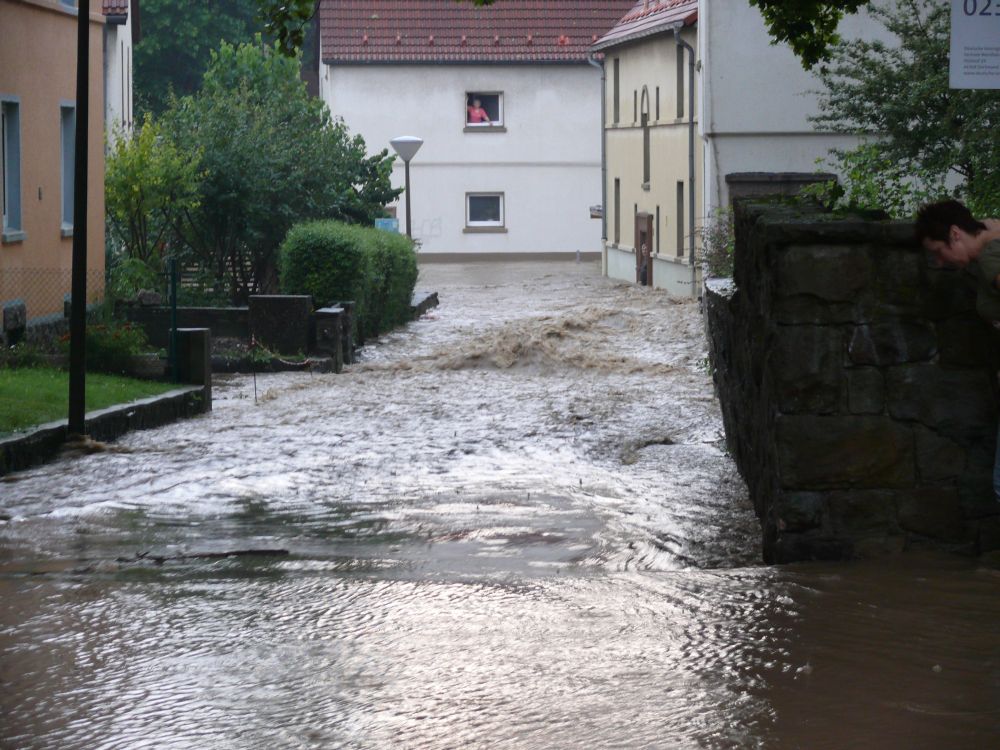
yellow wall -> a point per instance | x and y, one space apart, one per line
650 63
38 66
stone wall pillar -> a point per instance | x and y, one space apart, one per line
194 360
857 387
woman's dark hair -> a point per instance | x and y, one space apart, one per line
935 220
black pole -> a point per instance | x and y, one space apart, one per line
408 233
78 307
174 372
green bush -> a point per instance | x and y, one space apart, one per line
110 346
335 262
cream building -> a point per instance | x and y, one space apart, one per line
652 147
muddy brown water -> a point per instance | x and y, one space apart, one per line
514 525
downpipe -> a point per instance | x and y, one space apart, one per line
591 60
691 176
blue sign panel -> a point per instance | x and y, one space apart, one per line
389 225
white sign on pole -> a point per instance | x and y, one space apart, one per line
975 44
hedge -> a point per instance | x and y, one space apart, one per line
335 262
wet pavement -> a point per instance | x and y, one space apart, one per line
514 525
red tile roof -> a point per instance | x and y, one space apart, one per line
649 17
115 7
446 31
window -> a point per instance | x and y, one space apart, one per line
644 114
657 232
10 184
657 103
68 116
680 219
618 210
483 109
484 210
680 82
616 93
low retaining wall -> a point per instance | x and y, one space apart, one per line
224 322
44 442
858 387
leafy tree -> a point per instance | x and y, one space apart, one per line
149 183
178 37
808 26
272 157
925 132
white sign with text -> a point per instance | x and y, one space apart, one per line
975 44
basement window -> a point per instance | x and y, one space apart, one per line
483 110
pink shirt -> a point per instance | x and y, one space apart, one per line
478 114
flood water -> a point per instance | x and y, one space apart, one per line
514 525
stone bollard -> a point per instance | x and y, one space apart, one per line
15 322
280 322
330 334
347 335
194 360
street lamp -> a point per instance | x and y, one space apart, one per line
407 146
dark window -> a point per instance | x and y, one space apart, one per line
68 120
618 210
645 136
657 103
657 231
10 164
616 94
680 81
484 209
488 112
680 219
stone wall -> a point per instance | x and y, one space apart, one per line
857 386
224 322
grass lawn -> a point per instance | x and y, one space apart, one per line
33 395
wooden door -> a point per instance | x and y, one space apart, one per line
644 248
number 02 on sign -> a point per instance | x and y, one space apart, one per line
975 44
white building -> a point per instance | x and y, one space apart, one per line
756 100
121 31
522 180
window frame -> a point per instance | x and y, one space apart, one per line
67 166
12 222
499 225
498 125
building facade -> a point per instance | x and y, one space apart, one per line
653 152
756 104
38 101
121 32
515 175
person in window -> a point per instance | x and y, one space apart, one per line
477 115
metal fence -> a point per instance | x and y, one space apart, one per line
45 292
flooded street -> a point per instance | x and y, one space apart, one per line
513 525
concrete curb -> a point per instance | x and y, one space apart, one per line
422 302
44 442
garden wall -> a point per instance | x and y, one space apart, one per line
858 387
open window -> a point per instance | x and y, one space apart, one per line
483 109
484 211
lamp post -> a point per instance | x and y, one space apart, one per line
407 146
